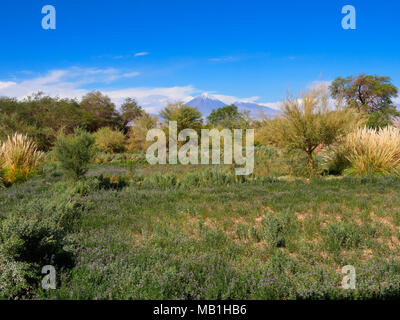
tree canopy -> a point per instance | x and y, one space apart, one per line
185 116
368 94
227 117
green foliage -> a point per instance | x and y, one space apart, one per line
381 118
368 94
227 117
137 133
343 235
334 159
130 110
307 123
32 236
110 140
185 116
40 117
276 228
99 111
75 152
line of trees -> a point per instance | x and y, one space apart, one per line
42 117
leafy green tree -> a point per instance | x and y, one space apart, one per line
368 94
227 117
75 152
130 110
185 116
40 117
99 111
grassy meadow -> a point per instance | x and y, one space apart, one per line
162 235
82 197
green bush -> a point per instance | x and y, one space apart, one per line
343 235
75 152
276 228
32 236
109 140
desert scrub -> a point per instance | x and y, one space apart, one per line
374 152
19 158
276 228
33 235
75 152
110 140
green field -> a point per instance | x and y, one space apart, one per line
187 232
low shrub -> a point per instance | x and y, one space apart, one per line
110 140
276 228
343 235
137 133
75 152
19 158
334 159
32 236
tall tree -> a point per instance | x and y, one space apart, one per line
130 110
99 111
368 94
185 116
308 122
227 117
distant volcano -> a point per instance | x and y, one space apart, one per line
206 104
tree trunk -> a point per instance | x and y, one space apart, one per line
310 161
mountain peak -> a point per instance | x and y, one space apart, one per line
206 103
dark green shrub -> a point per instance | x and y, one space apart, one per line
75 152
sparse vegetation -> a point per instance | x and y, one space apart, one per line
124 229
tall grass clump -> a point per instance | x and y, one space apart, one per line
75 152
19 158
374 152
110 140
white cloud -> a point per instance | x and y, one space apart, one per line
6 84
139 54
130 74
70 83
319 83
73 83
152 99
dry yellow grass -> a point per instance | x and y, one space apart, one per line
374 151
19 157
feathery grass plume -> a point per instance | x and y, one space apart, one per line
19 157
375 152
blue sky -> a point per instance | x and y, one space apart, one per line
159 51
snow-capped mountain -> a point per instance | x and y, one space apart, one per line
255 109
207 103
